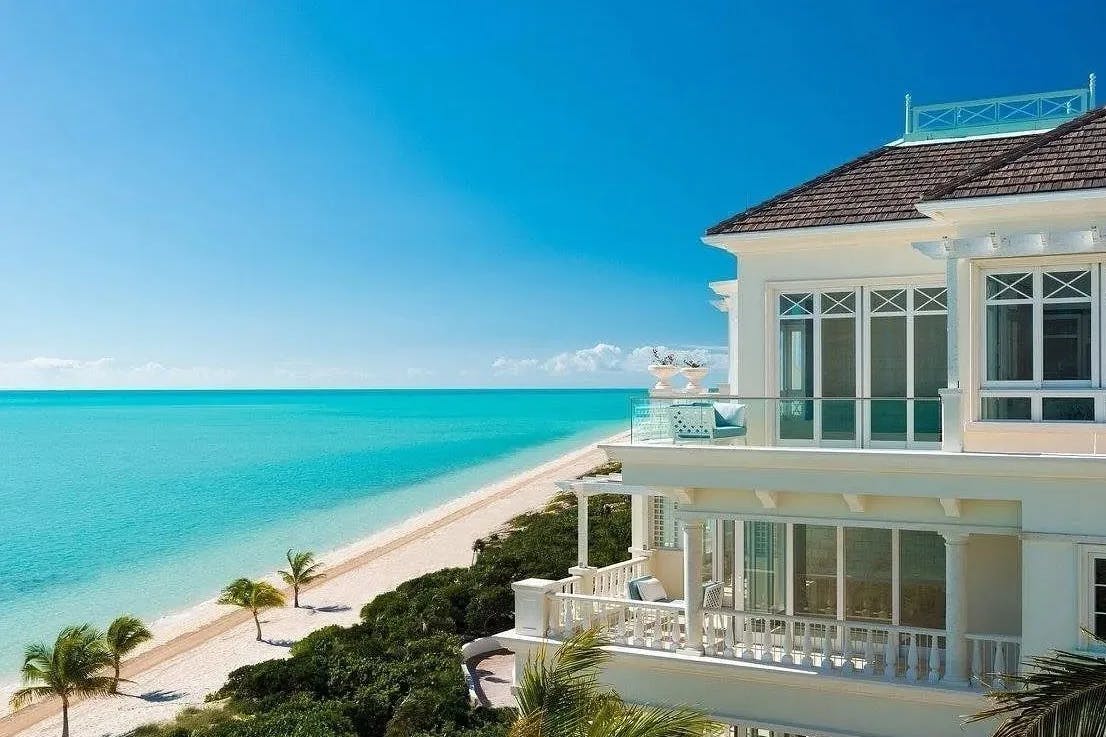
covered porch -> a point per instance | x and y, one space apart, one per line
843 599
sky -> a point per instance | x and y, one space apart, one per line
240 194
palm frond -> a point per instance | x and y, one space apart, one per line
650 721
28 695
125 633
302 568
1062 694
255 595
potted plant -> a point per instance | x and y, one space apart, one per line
663 369
694 371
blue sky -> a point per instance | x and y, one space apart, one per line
435 194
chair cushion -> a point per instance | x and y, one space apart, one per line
729 414
631 585
652 590
728 432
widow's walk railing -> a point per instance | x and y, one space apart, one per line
862 422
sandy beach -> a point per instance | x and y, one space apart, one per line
194 650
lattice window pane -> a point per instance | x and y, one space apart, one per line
838 303
1066 284
889 301
796 305
667 531
1010 286
930 299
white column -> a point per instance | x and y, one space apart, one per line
952 395
956 606
531 606
693 585
639 523
581 528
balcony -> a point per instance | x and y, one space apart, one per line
873 651
869 422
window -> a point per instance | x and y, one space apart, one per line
765 567
667 531
868 586
815 570
922 579
1041 328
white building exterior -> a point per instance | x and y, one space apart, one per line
914 498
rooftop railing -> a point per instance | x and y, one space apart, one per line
863 422
1037 111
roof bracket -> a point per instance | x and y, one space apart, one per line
768 499
856 502
951 506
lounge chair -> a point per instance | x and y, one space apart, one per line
711 421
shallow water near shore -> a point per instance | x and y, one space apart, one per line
146 502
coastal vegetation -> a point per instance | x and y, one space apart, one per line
256 596
559 694
302 570
73 667
397 672
123 635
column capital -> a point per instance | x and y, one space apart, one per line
955 537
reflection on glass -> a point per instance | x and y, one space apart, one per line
765 567
727 553
1067 341
1006 408
887 365
930 374
868 574
1010 342
815 570
796 418
1067 409
839 378
922 574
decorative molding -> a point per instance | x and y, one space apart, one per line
951 506
768 499
856 502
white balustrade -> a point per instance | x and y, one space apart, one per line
612 581
993 660
650 624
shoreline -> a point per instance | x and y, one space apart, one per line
186 631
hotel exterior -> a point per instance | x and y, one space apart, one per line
901 493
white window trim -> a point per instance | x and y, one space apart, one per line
1087 556
1038 389
862 316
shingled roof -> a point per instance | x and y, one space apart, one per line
885 184
1070 157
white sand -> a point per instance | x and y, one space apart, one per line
193 651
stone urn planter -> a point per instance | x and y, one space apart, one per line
695 376
663 373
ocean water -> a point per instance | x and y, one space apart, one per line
147 502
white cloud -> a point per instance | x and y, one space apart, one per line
604 359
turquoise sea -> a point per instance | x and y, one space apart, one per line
148 501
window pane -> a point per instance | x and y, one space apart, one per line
839 378
1010 342
727 553
796 419
1066 284
868 573
765 566
1100 570
838 303
816 570
1100 625
1006 408
1010 286
930 298
1067 409
889 300
1067 341
888 378
922 571
796 304
930 374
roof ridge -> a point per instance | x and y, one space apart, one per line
1015 153
719 228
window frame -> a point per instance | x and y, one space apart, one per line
1088 554
1038 389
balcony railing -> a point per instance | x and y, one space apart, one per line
867 422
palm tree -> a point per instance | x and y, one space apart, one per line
1063 695
252 595
302 570
559 696
123 636
72 668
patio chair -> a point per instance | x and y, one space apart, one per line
712 421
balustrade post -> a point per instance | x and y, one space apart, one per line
912 658
693 586
808 658
531 606
581 529
586 584
788 640
999 666
891 655
956 600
